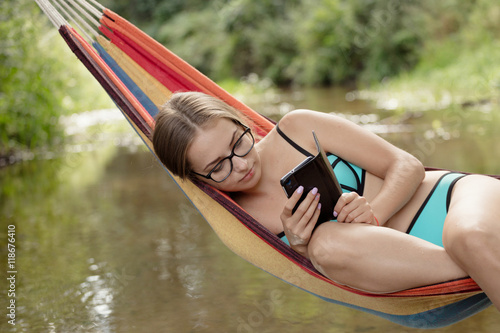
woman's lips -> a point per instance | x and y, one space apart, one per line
248 175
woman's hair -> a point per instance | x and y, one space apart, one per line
177 123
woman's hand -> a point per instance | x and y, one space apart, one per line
352 208
298 226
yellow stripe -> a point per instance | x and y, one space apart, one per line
157 92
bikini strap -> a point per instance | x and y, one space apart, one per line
291 142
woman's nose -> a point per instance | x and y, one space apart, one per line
239 163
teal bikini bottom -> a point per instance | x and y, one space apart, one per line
428 223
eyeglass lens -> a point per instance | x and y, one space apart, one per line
241 148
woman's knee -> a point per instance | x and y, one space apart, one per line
469 241
472 227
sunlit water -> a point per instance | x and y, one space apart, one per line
106 242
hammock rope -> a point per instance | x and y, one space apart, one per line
139 74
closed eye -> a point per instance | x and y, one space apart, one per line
218 167
219 159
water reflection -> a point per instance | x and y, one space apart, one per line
98 299
108 243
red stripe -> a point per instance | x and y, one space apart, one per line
159 71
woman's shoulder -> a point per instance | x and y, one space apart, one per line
305 119
299 124
293 129
293 119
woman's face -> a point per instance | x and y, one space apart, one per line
216 141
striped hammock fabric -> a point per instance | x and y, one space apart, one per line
139 74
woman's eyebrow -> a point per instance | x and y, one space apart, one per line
216 160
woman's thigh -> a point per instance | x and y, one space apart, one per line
378 259
474 210
472 232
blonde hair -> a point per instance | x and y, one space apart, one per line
176 126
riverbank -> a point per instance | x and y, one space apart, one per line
83 132
446 77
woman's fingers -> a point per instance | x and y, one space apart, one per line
353 208
314 218
292 201
307 207
343 201
299 225
307 219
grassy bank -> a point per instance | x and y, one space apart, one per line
448 74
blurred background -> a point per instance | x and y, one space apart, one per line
106 242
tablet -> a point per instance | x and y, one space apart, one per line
315 172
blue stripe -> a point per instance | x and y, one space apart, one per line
435 318
131 85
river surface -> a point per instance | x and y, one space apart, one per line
106 242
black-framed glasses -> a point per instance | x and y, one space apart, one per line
241 148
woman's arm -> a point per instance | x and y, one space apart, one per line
402 173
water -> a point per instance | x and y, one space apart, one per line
105 241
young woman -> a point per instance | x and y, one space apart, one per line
380 241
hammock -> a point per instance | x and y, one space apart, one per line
139 73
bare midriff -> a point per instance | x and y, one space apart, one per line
402 219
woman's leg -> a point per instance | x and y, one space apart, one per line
471 233
379 259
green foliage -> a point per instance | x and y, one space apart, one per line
315 41
140 11
357 40
40 79
458 63
312 42
233 39
27 106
